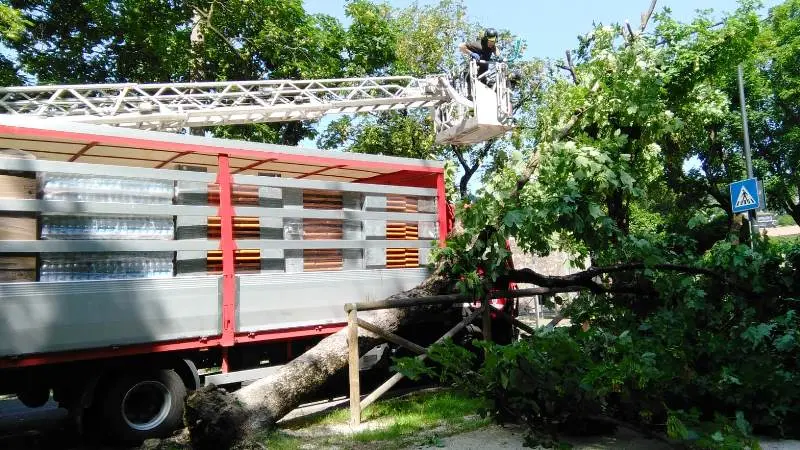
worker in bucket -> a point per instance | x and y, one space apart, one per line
482 50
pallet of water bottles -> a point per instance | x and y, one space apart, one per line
107 265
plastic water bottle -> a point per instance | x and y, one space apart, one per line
46 269
60 272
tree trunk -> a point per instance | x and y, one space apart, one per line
197 41
218 420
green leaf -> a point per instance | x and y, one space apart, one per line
514 218
742 424
595 211
504 380
626 180
785 343
756 334
676 429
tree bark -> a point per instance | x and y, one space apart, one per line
218 420
197 41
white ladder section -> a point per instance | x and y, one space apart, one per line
175 106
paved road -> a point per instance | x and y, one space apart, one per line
34 428
14 416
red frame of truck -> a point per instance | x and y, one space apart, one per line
402 175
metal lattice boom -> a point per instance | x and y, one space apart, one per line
172 106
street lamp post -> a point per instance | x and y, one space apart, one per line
751 215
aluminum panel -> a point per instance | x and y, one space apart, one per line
332 185
277 301
374 202
106 245
129 209
323 244
328 214
48 317
104 169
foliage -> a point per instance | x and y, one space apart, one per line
426 43
12 25
423 43
712 357
775 73
610 138
786 220
698 337
105 41
11 22
403 133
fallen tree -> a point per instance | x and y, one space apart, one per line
219 420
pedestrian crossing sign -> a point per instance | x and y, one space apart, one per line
744 195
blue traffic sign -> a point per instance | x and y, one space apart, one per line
744 195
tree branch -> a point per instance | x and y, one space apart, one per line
630 31
470 171
570 67
461 159
570 124
520 102
646 15
207 17
487 146
585 278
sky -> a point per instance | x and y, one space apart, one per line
551 27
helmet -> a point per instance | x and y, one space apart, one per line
490 33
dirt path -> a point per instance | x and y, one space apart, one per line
790 230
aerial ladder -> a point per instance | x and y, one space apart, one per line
465 110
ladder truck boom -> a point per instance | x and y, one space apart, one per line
175 106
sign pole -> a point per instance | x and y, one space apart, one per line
751 215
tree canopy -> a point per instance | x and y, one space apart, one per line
678 306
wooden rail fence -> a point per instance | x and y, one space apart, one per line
354 323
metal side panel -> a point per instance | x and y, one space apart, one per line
276 301
56 316
79 168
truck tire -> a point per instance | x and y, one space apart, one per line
140 406
34 396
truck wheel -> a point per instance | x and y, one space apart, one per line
34 396
142 406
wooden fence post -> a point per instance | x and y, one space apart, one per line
487 318
355 388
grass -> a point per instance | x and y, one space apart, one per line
785 239
417 419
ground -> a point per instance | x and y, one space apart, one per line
433 419
494 437
790 230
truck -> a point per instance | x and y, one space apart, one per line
139 262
